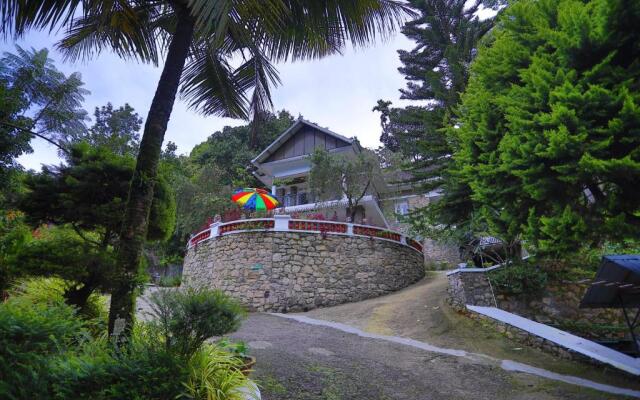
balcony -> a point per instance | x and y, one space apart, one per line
290 200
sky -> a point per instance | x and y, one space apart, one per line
336 92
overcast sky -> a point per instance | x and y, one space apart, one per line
337 92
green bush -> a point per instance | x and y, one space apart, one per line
14 233
140 370
520 278
186 318
51 291
31 335
170 281
215 374
47 351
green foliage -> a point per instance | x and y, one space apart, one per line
336 175
170 281
51 291
115 129
35 97
518 279
90 193
30 335
14 233
46 352
547 140
60 251
215 374
140 370
447 33
238 348
186 318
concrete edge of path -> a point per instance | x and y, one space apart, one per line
567 340
507 365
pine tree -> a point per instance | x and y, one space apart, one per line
447 34
550 124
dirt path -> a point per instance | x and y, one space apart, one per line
303 360
420 312
306 357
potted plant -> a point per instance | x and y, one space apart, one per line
240 350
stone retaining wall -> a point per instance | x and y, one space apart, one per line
278 271
470 287
557 305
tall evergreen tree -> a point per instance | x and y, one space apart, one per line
549 127
446 34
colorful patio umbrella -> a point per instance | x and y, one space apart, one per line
254 199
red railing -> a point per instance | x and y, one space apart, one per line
415 244
304 226
376 232
246 225
320 226
200 237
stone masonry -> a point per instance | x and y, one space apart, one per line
470 287
281 271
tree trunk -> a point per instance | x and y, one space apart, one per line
134 227
79 297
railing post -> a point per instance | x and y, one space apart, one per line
281 223
214 229
350 229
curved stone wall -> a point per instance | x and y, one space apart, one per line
284 271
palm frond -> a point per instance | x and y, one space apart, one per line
209 84
129 29
18 16
317 28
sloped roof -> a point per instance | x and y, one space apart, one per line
292 130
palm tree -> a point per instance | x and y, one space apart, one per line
228 47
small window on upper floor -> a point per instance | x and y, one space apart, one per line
402 207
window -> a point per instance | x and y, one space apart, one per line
402 207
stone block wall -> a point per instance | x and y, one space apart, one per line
470 287
282 271
439 255
558 305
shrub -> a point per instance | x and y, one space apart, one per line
520 278
14 233
170 281
186 318
140 370
215 374
32 334
51 291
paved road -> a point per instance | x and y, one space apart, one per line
302 361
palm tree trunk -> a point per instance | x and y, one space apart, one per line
134 228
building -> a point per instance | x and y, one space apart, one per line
284 167
285 164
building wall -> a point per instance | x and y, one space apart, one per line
278 271
437 254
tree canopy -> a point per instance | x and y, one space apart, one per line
548 140
333 176
36 100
